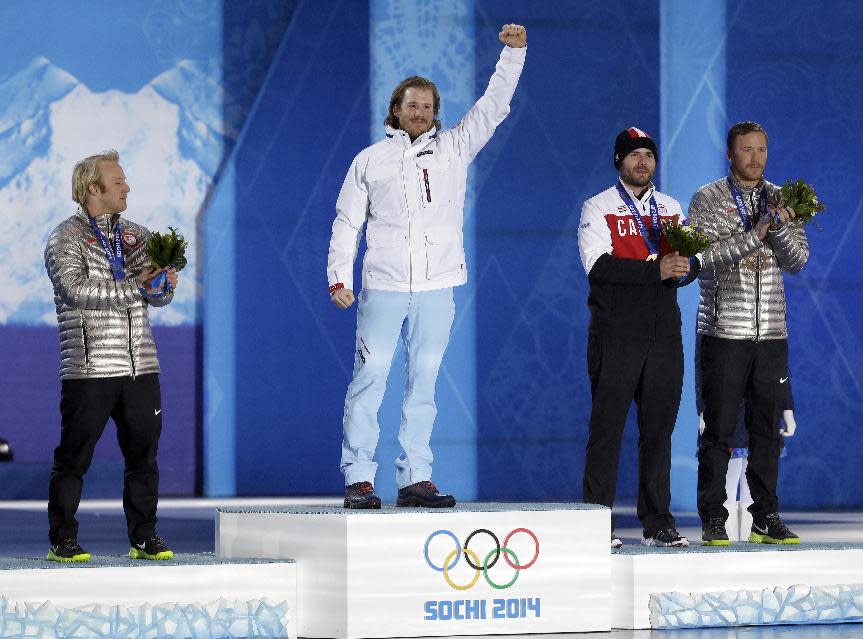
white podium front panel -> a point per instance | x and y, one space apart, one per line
476 569
116 597
742 584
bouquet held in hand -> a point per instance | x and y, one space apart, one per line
685 239
166 250
801 197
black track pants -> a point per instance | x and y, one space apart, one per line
649 371
752 372
85 406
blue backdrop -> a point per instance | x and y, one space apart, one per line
807 90
168 83
264 124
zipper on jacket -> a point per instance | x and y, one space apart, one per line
757 275
757 297
408 211
131 357
86 345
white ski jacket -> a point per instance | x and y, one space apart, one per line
411 196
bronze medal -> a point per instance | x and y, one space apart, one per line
755 262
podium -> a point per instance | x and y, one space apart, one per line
194 595
738 585
407 572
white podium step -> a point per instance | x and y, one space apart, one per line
399 572
743 584
195 595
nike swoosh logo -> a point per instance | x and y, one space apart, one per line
783 380
141 546
760 530
158 411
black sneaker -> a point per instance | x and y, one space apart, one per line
153 548
615 541
771 530
668 538
68 551
424 494
713 533
361 495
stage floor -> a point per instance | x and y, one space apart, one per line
189 526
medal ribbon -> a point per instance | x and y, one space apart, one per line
652 248
741 205
115 258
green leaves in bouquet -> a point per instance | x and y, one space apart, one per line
167 249
686 240
801 197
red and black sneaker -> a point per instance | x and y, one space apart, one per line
361 495
423 494
668 538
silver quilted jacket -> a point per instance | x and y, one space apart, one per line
742 293
104 325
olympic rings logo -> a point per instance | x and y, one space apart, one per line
473 560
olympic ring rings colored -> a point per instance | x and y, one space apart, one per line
535 554
473 581
473 560
496 543
506 551
457 553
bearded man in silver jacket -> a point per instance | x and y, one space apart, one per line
741 318
103 286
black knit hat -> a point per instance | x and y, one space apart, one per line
630 139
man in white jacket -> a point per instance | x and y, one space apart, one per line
409 190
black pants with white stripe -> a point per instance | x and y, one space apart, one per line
85 406
754 373
650 372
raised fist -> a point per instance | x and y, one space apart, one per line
513 35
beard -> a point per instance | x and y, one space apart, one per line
635 179
415 129
753 173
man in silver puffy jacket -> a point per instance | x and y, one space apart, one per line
103 286
408 190
741 318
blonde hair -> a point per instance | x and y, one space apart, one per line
86 173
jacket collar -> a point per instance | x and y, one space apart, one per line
106 221
401 137
746 190
651 189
